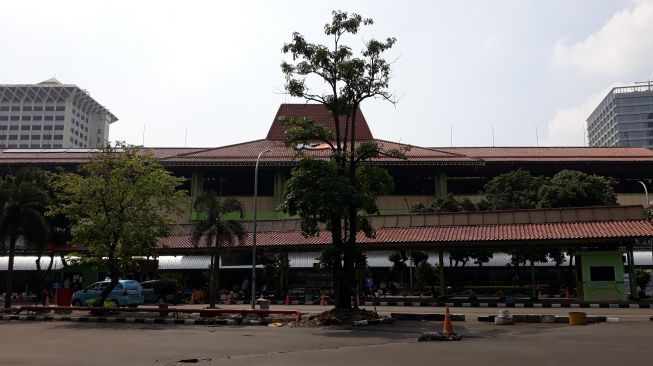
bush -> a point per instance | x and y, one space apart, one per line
165 287
642 278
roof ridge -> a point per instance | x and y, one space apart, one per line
218 147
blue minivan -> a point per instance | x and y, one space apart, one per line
126 293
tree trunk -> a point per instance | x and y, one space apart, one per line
10 271
113 271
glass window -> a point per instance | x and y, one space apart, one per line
3 137
47 127
60 108
23 146
47 137
45 146
27 108
24 128
57 146
13 127
58 118
15 108
3 128
37 118
35 145
4 118
38 108
58 127
14 118
24 137
49 118
58 137
36 127
4 108
13 137
36 137
26 118
49 108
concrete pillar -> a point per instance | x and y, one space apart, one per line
440 181
631 272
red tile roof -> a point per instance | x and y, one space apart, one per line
483 234
322 116
247 152
534 154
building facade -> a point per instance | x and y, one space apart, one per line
51 115
624 118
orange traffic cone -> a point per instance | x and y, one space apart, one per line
287 302
229 299
322 300
447 329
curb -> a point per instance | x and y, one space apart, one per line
535 318
484 304
427 316
100 319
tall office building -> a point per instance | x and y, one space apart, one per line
624 118
51 115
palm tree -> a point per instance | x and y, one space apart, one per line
23 199
217 232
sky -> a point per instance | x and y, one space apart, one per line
206 73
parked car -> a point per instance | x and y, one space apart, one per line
126 293
151 297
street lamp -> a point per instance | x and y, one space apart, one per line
254 232
645 192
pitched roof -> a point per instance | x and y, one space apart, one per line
546 154
461 235
322 116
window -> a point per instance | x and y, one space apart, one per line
24 128
23 146
47 137
76 133
49 108
12 146
57 146
38 108
15 108
4 118
13 127
58 127
48 118
602 273
4 108
4 128
58 137
36 137
76 142
60 108
14 118
47 127
26 118
58 118
35 145
3 137
13 137
24 137
27 108
36 127
37 118
71 139
45 146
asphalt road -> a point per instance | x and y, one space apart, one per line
55 343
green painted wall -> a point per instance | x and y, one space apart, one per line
602 290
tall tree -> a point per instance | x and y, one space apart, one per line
217 232
120 204
514 190
334 192
23 199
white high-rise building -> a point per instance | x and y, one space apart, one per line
51 115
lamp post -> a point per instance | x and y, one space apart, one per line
254 232
645 191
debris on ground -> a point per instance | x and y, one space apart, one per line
438 337
335 317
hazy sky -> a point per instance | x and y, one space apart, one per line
213 66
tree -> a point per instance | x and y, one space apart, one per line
23 199
333 192
398 259
514 190
217 232
120 204
571 188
